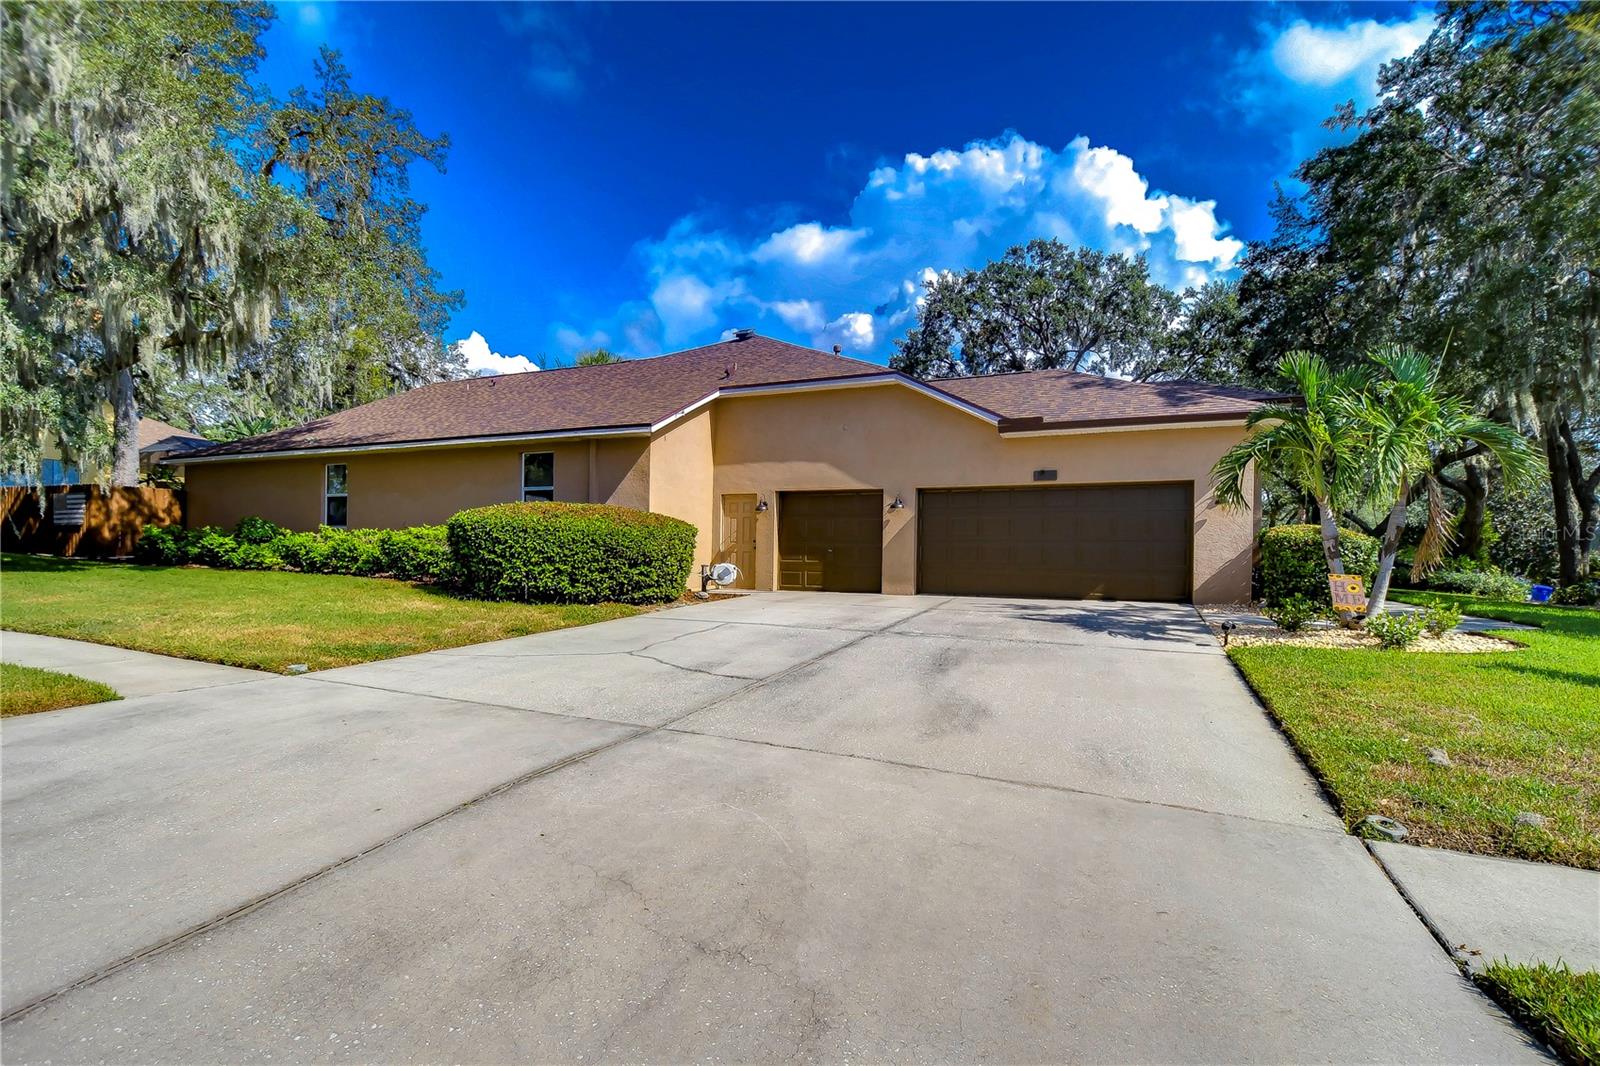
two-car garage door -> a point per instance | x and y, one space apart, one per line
1129 542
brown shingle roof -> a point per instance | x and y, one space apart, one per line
157 438
1059 399
638 393
625 395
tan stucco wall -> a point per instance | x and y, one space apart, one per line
681 480
897 441
393 489
886 438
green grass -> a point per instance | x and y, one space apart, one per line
265 620
1561 1006
1521 728
29 690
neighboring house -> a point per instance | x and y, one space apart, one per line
159 445
163 445
807 470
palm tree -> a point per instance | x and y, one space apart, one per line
1409 421
1314 440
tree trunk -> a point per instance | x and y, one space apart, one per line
1474 490
1586 491
125 414
1570 546
1390 548
1330 549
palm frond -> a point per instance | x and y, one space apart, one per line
1228 475
1436 535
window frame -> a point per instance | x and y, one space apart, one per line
527 488
327 496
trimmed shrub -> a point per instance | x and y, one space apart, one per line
211 546
1292 614
1395 630
1293 564
350 551
570 553
252 530
300 551
256 557
421 553
162 546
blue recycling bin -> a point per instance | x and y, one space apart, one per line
1540 594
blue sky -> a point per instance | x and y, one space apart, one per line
646 176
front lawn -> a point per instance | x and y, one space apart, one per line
1521 730
29 690
1559 1005
261 619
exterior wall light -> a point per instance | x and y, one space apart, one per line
761 505
898 504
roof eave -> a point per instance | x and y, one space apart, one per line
1038 427
640 430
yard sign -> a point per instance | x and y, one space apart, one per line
1347 592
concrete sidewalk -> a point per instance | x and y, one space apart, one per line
130 673
1487 908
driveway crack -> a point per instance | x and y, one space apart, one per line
265 899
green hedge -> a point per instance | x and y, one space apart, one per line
1293 563
571 553
1463 575
420 553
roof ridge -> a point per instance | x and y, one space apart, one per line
650 359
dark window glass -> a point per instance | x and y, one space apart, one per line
538 476
336 479
337 508
539 470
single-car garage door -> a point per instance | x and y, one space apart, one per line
830 541
1126 542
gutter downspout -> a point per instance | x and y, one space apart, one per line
594 473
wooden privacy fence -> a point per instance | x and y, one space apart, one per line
84 520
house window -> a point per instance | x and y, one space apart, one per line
335 496
538 476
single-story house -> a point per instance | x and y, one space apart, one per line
805 469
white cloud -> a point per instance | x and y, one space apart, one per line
806 316
1327 55
854 331
481 361
1195 236
1109 175
1289 83
684 304
857 281
808 244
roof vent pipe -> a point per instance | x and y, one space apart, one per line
837 348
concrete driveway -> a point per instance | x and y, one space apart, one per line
783 826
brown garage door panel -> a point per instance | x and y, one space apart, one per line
830 541
1128 542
